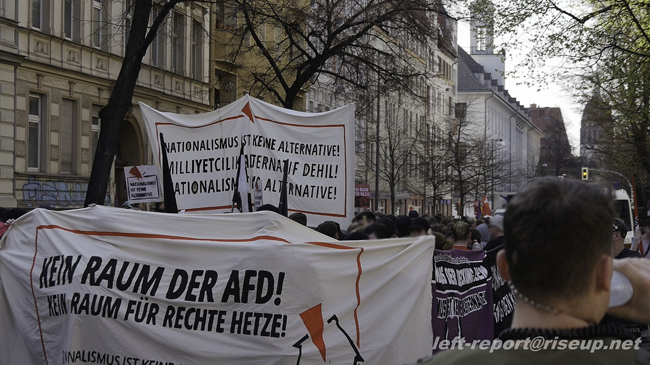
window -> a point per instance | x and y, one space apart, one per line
197 48
34 132
68 15
96 126
178 36
68 143
158 44
128 18
481 39
371 153
37 13
97 24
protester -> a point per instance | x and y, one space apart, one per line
642 242
299 218
472 222
618 240
366 217
413 214
392 228
476 239
419 227
133 206
268 207
462 236
377 231
484 231
356 236
329 228
442 242
567 223
159 207
403 224
14 213
496 233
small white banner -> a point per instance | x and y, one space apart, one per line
142 183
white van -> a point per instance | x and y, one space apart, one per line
624 211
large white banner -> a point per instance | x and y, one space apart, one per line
114 286
203 151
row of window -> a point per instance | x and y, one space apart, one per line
37 132
445 69
72 13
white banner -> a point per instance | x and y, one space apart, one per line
90 286
142 184
203 151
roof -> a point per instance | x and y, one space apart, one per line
467 70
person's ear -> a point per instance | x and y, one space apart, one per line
604 270
502 264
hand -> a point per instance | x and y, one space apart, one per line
638 271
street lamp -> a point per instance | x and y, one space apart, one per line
495 142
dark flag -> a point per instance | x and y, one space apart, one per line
282 206
168 185
242 195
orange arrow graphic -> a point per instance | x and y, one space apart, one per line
313 318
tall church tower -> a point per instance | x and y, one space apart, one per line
482 40
596 121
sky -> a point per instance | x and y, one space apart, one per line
550 95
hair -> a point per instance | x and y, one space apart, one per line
556 231
370 217
328 228
15 213
356 236
460 231
268 207
622 227
354 227
392 227
299 218
442 242
380 230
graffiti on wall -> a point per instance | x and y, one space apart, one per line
57 193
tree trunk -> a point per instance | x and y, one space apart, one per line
121 98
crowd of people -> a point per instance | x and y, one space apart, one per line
557 246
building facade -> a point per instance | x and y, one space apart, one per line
413 118
58 62
556 158
498 119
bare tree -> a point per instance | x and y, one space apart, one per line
349 41
141 33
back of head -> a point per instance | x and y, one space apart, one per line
620 227
556 231
367 215
442 242
268 207
460 231
392 228
380 230
403 224
15 213
328 228
356 236
299 218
